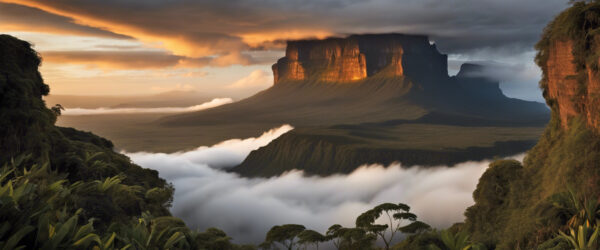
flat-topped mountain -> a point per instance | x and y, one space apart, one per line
358 57
362 98
367 78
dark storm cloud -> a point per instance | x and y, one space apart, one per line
22 18
216 27
224 31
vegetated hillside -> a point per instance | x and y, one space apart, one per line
61 188
341 149
558 185
353 97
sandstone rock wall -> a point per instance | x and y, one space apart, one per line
571 97
562 81
358 57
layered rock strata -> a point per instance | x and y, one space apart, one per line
358 57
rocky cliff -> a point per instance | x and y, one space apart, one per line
357 57
573 89
522 206
393 91
472 78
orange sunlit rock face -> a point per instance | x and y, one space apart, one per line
593 93
331 60
562 83
564 89
340 59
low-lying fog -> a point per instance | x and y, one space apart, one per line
246 208
105 110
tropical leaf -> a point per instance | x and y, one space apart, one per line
14 240
86 240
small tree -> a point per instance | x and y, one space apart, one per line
356 238
57 109
212 238
394 212
284 235
333 235
308 237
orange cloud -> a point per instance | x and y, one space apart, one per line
231 58
22 18
178 44
258 39
113 59
124 59
188 32
257 79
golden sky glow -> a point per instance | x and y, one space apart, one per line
143 46
147 63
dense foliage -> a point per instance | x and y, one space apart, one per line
363 236
542 203
61 188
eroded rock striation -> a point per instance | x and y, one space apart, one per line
359 56
573 94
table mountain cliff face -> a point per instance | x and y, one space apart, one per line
388 83
358 57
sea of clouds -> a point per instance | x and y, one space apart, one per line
104 111
246 208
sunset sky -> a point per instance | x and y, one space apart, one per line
226 48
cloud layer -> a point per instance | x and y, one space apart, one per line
246 208
21 18
258 79
104 111
181 34
223 28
